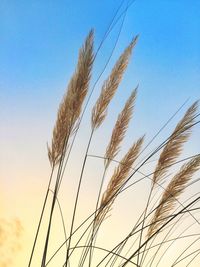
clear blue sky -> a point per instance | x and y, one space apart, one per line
40 41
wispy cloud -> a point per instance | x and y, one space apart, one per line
10 240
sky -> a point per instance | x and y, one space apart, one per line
39 43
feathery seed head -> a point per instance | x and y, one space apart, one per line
110 86
120 128
71 104
118 179
174 189
174 146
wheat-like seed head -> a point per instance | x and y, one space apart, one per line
174 146
172 192
118 179
110 86
70 107
120 128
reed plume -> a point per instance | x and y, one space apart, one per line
110 86
174 146
71 105
120 128
174 189
118 179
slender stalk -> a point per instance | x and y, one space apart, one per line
102 249
196 221
77 194
188 255
88 228
193 258
171 244
98 210
164 240
49 227
170 232
61 215
54 199
83 254
124 189
41 217
189 246
89 243
95 215
159 229
143 221
138 231
124 258
168 241
121 247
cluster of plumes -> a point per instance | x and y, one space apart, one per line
168 157
118 179
68 118
110 86
70 109
10 237
71 105
99 112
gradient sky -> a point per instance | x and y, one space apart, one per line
39 41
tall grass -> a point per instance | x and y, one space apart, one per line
163 210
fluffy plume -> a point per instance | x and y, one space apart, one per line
172 192
120 128
118 179
10 234
174 146
71 105
110 86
